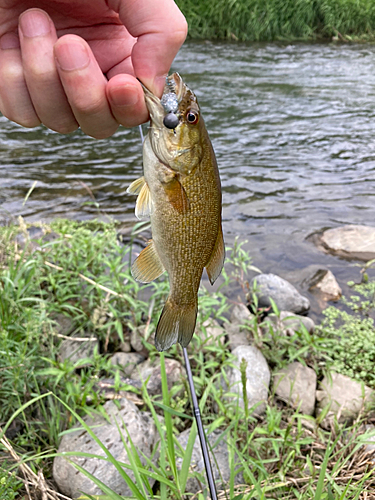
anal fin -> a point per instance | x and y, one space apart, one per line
216 262
147 266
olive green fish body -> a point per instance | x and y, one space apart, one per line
183 199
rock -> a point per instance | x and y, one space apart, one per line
142 430
328 287
212 333
296 385
78 347
64 324
369 447
137 338
321 281
237 334
220 451
31 235
240 314
285 296
151 370
257 375
287 323
125 346
127 361
345 397
351 241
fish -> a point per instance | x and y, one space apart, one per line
181 192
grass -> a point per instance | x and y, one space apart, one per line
259 20
81 272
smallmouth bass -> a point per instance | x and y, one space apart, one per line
181 192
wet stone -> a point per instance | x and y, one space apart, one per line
351 241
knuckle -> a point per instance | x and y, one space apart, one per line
37 73
178 35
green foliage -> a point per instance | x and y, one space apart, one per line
351 336
9 484
83 274
264 20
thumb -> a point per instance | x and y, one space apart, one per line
160 29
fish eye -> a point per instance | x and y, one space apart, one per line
192 117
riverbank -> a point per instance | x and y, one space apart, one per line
256 20
76 337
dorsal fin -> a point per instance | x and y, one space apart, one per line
216 262
147 266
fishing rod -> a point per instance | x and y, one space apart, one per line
201 433
197 413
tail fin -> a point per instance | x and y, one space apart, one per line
176 324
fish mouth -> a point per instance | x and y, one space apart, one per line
170 100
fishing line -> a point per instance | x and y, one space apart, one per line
197 413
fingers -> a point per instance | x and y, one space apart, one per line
15 98
127 102
160 29
37 37
85 86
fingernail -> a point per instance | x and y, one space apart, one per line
35 23
71 56
159 84
9 41
124 95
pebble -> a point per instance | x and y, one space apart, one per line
351 241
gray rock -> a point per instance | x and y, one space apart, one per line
32 234
142 430
78 347
257 377
240 314
351 241
369 447
151 370
63 324
220 451
125 346
237 334
285 296
137 338
287 323
296 385
127 361
345 396
212 333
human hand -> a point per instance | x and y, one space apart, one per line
74 63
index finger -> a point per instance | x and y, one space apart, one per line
160 29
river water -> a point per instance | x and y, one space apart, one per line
293 127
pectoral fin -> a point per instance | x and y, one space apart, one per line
147 266
176 195
216 262
136 186
143 206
